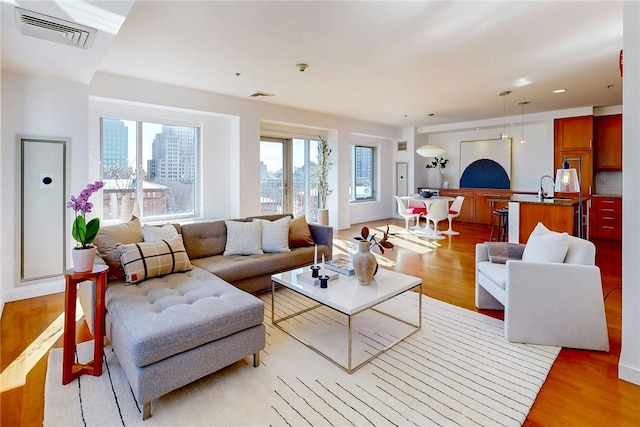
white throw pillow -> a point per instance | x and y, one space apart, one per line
275 234
545 245
153 234
243 238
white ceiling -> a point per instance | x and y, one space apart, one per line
384 61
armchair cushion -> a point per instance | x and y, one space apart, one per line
545 245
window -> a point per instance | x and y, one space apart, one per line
362 173
143 160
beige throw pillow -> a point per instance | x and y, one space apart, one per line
299 233
545 245
109 237
153 234
152 259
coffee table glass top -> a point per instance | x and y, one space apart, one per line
345 294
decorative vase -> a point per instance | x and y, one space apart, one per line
364 263
323 216
125 208
437 180
83 259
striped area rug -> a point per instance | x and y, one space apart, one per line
458 370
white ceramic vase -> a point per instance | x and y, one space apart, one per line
364 263
125 208
83 259
323 216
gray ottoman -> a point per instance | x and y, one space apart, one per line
170 331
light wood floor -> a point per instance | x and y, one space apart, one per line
582 388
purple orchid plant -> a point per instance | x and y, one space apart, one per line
82 231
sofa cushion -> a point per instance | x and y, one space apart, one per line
243 238
107 240
239 267
299 233
203 239
168 315
275 234
545 245
145 260
154 233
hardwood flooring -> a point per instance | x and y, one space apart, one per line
582 388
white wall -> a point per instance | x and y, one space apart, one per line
36 107
629 365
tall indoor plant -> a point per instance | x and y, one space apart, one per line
322 173
84 232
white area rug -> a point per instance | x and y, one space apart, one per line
458 370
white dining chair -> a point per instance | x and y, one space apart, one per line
454 212
407 214
437 211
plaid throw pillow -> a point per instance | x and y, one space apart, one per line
152 259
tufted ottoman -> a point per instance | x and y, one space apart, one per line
170 331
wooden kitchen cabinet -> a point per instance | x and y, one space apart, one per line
476 208
605 218
607 142
573 133
573 138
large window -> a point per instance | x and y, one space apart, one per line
153 165
362 173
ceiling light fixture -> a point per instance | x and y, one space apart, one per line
430 150
559 91
522 140
504 134
302 66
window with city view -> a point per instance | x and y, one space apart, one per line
151 164
362 173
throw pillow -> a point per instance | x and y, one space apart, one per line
152 259
243 238
153 234
500 252
545 245
299 233
107 239
275 234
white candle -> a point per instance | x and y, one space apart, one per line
315 256
322 266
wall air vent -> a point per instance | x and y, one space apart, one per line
259 94
54 29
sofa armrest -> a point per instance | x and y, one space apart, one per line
322 235
555 304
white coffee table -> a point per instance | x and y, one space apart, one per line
347 297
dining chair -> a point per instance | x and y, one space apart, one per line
437 211
454 212
407 214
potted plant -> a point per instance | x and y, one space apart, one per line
82 231
439 163
322 174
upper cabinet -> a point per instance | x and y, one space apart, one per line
573 133
607 142
572 138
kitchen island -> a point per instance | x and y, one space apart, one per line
526 210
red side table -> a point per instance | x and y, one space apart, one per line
70 369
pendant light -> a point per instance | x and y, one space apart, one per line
522 140
430 150
504 134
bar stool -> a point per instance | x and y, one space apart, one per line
500 219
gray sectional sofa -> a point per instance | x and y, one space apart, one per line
173 329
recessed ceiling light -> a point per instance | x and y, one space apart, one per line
559 91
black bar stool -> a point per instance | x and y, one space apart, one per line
500 219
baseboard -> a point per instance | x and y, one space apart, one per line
628 373
34 290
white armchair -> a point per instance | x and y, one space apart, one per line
551 303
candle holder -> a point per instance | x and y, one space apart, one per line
314 270
324 279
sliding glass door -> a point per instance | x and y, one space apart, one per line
287 180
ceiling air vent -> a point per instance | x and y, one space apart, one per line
54 29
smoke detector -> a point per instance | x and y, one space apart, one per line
302 66
54 29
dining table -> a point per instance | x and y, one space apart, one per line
427 202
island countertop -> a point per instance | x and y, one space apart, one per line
533 199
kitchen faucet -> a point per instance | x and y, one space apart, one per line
541 192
